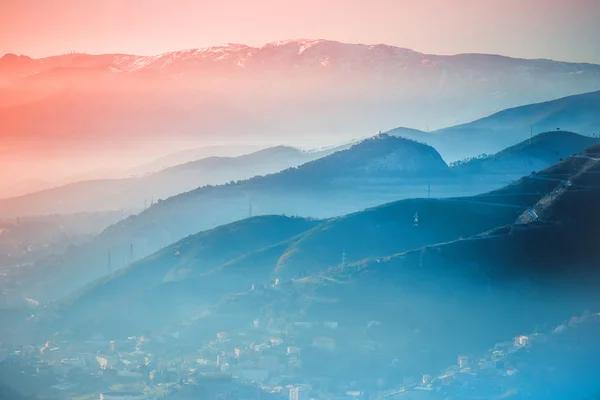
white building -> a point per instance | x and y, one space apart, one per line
298 393
463 362
123 396
222 359
521 341
426 379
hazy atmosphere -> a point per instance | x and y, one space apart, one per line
327 200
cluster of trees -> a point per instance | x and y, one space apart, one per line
458 163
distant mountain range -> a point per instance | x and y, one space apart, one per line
187 156
578 113
416 267
137 192
79 103
533 154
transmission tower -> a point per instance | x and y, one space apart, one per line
530 133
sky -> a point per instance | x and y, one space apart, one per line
557 29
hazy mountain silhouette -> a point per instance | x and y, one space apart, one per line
375 241
537 153
135 193
186 156
369 173
491 134
276 91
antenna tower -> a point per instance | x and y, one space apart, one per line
530 133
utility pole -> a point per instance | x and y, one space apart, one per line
109 262
131 253
429 190
416 220
343 258
530 133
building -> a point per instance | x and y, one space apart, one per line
222 359
238 352
426 379
102 361
298 393
123 396
521 341
463 362
293 350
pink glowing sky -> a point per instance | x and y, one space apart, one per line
558 29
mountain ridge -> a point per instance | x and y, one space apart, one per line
281 91
307 190
536 153
131 193
491 134
303 44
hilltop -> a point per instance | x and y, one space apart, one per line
534 154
